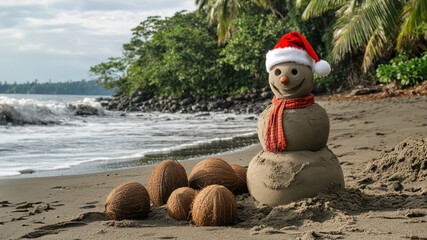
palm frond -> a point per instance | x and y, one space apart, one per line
415 15
201 4
317 7
374 48
222 12
349 7
300 3
354 31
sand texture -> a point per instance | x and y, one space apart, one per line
281 178
381 147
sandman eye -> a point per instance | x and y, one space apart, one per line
277 72
294 71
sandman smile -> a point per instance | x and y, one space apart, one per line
289 91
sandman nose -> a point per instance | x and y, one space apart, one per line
283 79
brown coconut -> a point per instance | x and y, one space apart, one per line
164 179
242 187
213 171
214 205
128 201
179 203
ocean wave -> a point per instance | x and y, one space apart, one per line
184 151
180 152
29 111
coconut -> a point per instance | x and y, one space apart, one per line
164 179
179 203
128 201
214 205
213 171
242 187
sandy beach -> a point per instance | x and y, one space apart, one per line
378 203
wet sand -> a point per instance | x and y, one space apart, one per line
373 206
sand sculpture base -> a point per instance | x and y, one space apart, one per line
281 178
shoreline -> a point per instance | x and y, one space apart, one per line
68 171
360 132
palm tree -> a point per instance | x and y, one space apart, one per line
371 25
221 12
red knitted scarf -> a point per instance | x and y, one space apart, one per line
275 137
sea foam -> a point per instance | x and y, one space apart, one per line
29 111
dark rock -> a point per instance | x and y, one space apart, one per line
252 96
173 108
203 115
104 103
9 114
250 101
367 90
26 171
83 109
138 99
186 102
265 95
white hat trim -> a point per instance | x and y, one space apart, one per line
289 54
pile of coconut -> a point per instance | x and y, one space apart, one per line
206 197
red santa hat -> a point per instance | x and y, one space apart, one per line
293 47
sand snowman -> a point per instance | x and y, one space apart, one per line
295 161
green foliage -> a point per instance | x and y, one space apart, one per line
406 71
333 81
82 87
374 26
414 25
245 51
175 56
110 74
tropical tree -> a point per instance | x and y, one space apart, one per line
372 27
221 12
175 56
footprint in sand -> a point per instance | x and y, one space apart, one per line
81 220
4 203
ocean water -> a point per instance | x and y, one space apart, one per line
47 138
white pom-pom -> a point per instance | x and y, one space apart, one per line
322 68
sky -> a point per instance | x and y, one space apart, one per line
59 40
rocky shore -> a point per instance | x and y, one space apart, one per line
248 102
252 101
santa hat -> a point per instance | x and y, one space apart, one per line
293 47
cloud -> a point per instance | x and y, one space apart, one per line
73 33
12 3
116 22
